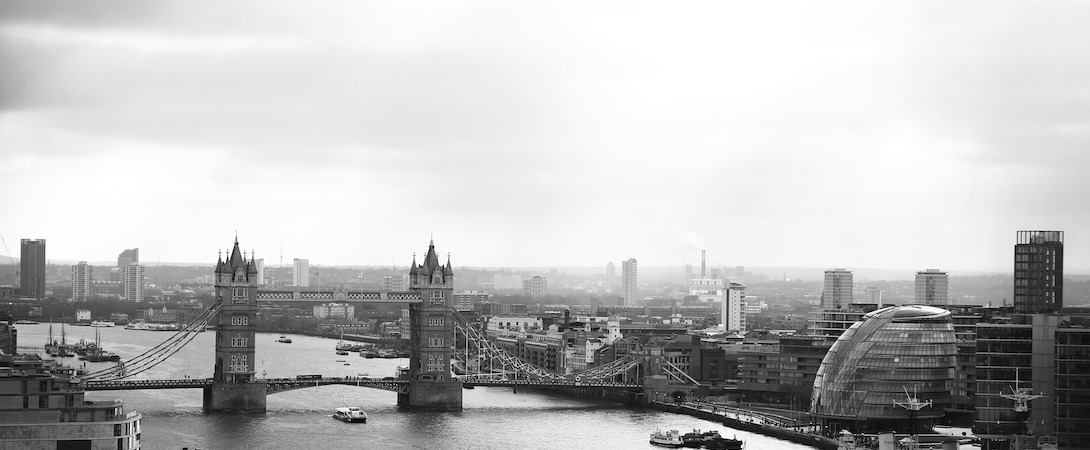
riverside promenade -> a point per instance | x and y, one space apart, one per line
774 425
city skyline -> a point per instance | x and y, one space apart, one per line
537 135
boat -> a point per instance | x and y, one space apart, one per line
710 440
25 322
284 339
102 323
350 414
342 352
670 438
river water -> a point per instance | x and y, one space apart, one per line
492 418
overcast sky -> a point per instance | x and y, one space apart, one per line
904 135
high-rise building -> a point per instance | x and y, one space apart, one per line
689 273
535 287
932 288
300 274
83 275
629 281
1039 272
873 296
611 275
703 265
261 271
838 289
132 280
127 257
734 307
32 268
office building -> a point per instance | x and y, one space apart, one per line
132 280
1046 356
32 268
611 275
535 287
300 274
127 257
869 368
629 281
395 283
837 293
82 278
932 288
1039 272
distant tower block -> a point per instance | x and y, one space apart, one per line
431 337
234 387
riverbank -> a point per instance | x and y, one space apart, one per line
742 419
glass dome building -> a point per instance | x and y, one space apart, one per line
871 366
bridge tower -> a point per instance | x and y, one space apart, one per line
431 338
234 387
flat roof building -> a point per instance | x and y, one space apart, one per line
1039 272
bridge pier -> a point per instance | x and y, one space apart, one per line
235 397
432 395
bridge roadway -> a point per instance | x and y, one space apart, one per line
274 385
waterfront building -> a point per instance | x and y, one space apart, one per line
1047 355
872 365
535 287
83 275
32 268
335 311
132 278
1039 272
300 273
629 282
830 324
235 386
932 288
783 374
41 407
837 292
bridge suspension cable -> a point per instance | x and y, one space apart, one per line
156 355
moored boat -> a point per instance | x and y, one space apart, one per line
284 339
670 438
350 414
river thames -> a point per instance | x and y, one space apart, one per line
492 418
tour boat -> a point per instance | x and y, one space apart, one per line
668 439
284 339
350 414
102 323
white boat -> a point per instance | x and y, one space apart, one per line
350 414
284 339
102 323
670 438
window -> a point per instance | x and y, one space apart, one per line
437 298
240 320
435 342
436 321
435 363
238 293
239 364
239 342
43 401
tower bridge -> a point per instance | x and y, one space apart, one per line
435 330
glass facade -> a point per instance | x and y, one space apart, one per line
871 366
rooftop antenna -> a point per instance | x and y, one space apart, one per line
1020 395
913 405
